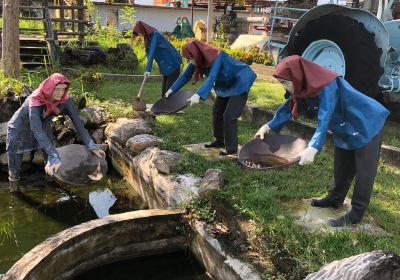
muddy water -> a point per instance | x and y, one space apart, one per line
43 209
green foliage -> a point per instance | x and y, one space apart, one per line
90 80
128 17
105 37
6 231
221 41
253 55
9 85
201 209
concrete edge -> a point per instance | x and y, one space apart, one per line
116 77
219 264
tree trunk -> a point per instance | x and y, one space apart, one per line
10 39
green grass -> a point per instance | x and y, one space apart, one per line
265 94
261 194
29 24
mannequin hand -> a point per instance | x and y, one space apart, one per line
168 93
51 169
265 129
99 153
194 99
146 74
307 156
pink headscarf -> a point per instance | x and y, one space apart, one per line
42 95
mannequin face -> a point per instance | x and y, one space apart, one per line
191 60
58 92
288 85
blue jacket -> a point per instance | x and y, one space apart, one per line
353 117
27 130
167 57
228 76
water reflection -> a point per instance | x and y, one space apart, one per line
43 209
102 201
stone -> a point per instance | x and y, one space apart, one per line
79 166
103 147
174 190
122 56
38 157
85 56
123 129
146 115
166 161
95 115
98 135
8 105
140 142
247 42
4 160
65 137
3 136
367 266
212 181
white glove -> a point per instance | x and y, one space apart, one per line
168 93
99 153
194 99
146 74
307 156
51 169
265 129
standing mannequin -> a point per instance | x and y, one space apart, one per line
355 120
231 79
158 48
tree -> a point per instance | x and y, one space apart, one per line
10 58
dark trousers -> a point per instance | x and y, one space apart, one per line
168 81
361 164
226 112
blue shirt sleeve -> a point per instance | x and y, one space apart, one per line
72 112
36 125
328 99
184 78
281 117
205 89
150 55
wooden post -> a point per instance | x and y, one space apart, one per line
81 17
10 39
192 12
209 20
62 15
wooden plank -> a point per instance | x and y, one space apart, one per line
65 7
69 20
71 33
31 18
30 8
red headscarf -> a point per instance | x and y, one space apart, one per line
203 55
144 30
307 77
42 95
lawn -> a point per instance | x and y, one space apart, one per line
260 194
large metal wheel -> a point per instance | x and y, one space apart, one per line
362 56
